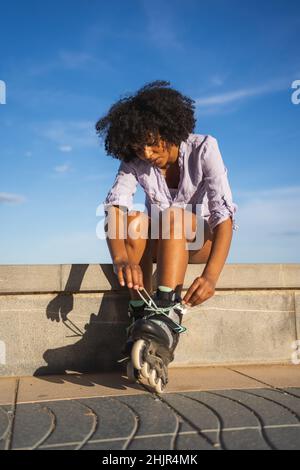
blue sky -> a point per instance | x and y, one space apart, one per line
65 62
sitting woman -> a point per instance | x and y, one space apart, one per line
189 216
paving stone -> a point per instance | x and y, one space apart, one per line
196 414
220 419
7 390
53 387
294 391
59 447
196 442
207 378
285 399
154 416
260 409
72 423
31 424
247 439
229 412
109 445
152 443
272 375
4 424
284 438
115 420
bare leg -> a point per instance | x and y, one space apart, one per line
139 249
172 255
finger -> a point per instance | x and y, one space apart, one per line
199 296
121 276
191 290
140 275
196 300
128 276
189 293
135 277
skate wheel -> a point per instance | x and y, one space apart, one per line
145 370
159 387
137 354
131 373
153 378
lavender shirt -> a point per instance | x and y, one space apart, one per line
203 180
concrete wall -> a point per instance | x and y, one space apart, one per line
57 318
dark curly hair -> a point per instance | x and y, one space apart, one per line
155 109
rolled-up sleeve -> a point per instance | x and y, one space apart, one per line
123 188
219 195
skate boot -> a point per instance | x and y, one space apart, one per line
154 338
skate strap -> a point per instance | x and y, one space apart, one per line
167 320
155 310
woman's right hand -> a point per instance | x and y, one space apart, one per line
129 274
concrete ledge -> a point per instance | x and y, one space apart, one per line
62 318
100 277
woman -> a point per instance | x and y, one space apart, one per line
187 193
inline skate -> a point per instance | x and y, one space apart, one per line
152 338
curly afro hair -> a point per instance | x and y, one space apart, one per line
153 110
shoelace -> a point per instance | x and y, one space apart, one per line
154 310
152 307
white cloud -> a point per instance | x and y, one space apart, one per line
217 80
234 96
77 133
36 98
62 168
269 225
69 60
65 148
74 59
71 247
11 198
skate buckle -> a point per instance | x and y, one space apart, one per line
179 329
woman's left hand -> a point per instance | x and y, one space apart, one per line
202 289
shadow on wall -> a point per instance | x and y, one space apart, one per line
100 345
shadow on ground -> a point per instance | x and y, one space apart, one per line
100 345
